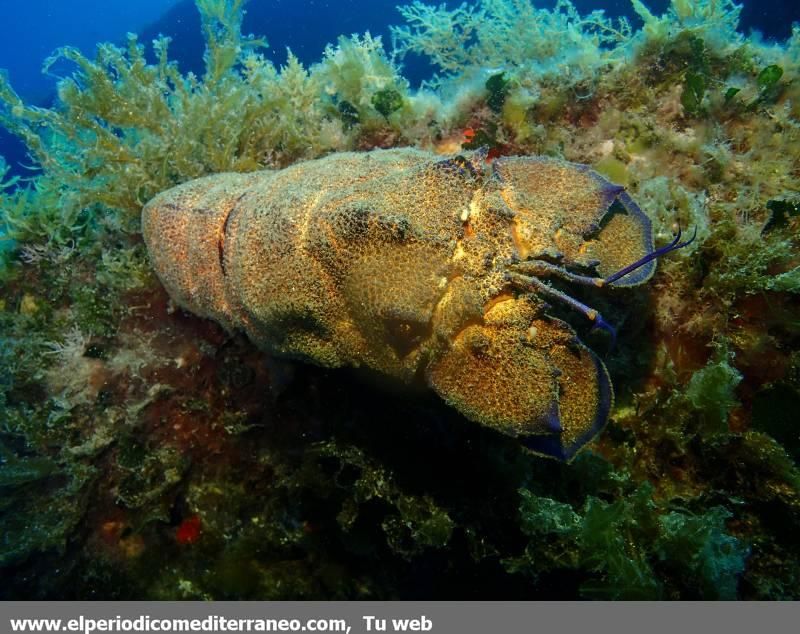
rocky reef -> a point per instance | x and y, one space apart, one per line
148 453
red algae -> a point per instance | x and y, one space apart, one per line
189 531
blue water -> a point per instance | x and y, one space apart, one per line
32 30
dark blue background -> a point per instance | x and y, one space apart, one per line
33 29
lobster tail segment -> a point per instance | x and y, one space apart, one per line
184 230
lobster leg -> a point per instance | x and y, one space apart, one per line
540 268
537 285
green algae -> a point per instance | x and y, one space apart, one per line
700 547
498 88
769 76
693 92
768 85
626 542
712 392
387 101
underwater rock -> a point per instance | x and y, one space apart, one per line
420 268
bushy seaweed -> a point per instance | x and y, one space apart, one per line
634 548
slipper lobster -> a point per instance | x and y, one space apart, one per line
419 267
